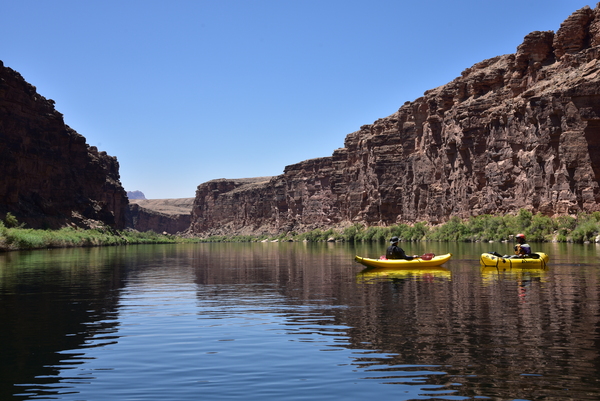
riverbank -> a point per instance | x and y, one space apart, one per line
15 238
485 228
538 228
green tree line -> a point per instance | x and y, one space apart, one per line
538 228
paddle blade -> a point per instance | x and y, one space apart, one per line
428 256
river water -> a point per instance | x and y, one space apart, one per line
296 321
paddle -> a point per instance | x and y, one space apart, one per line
426 256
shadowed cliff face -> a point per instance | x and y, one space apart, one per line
50 177
516 131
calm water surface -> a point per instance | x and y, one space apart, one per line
296 321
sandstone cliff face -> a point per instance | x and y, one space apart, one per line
50 176
516 131
172 216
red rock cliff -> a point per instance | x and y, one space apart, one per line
161 215
49 176
516 131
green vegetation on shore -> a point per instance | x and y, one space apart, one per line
13 236
537 228
25 238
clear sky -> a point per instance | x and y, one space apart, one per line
186 91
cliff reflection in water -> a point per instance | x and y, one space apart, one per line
484 329
463 329
51 301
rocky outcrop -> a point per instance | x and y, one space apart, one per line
135 195
171 216
515 131
50 176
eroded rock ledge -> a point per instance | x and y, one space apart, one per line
171 216
515 131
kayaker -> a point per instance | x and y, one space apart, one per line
395 252
522 249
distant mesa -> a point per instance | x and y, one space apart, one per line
170 216
135 195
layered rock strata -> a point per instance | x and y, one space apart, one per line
171 216
50 177
515 131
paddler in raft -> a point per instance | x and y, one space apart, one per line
522 250
395 252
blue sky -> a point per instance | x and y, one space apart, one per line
183 91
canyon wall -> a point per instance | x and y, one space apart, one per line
515 131
50 177
170 216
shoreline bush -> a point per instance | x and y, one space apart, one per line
17 238
538 228
483 228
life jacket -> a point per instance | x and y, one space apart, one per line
522 249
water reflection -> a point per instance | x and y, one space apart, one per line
50 302
492 274
424 274
252 321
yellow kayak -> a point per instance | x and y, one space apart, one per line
402 263
488 259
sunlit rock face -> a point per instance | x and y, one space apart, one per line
49 176
516 131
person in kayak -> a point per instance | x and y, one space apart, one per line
395 252
522 249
